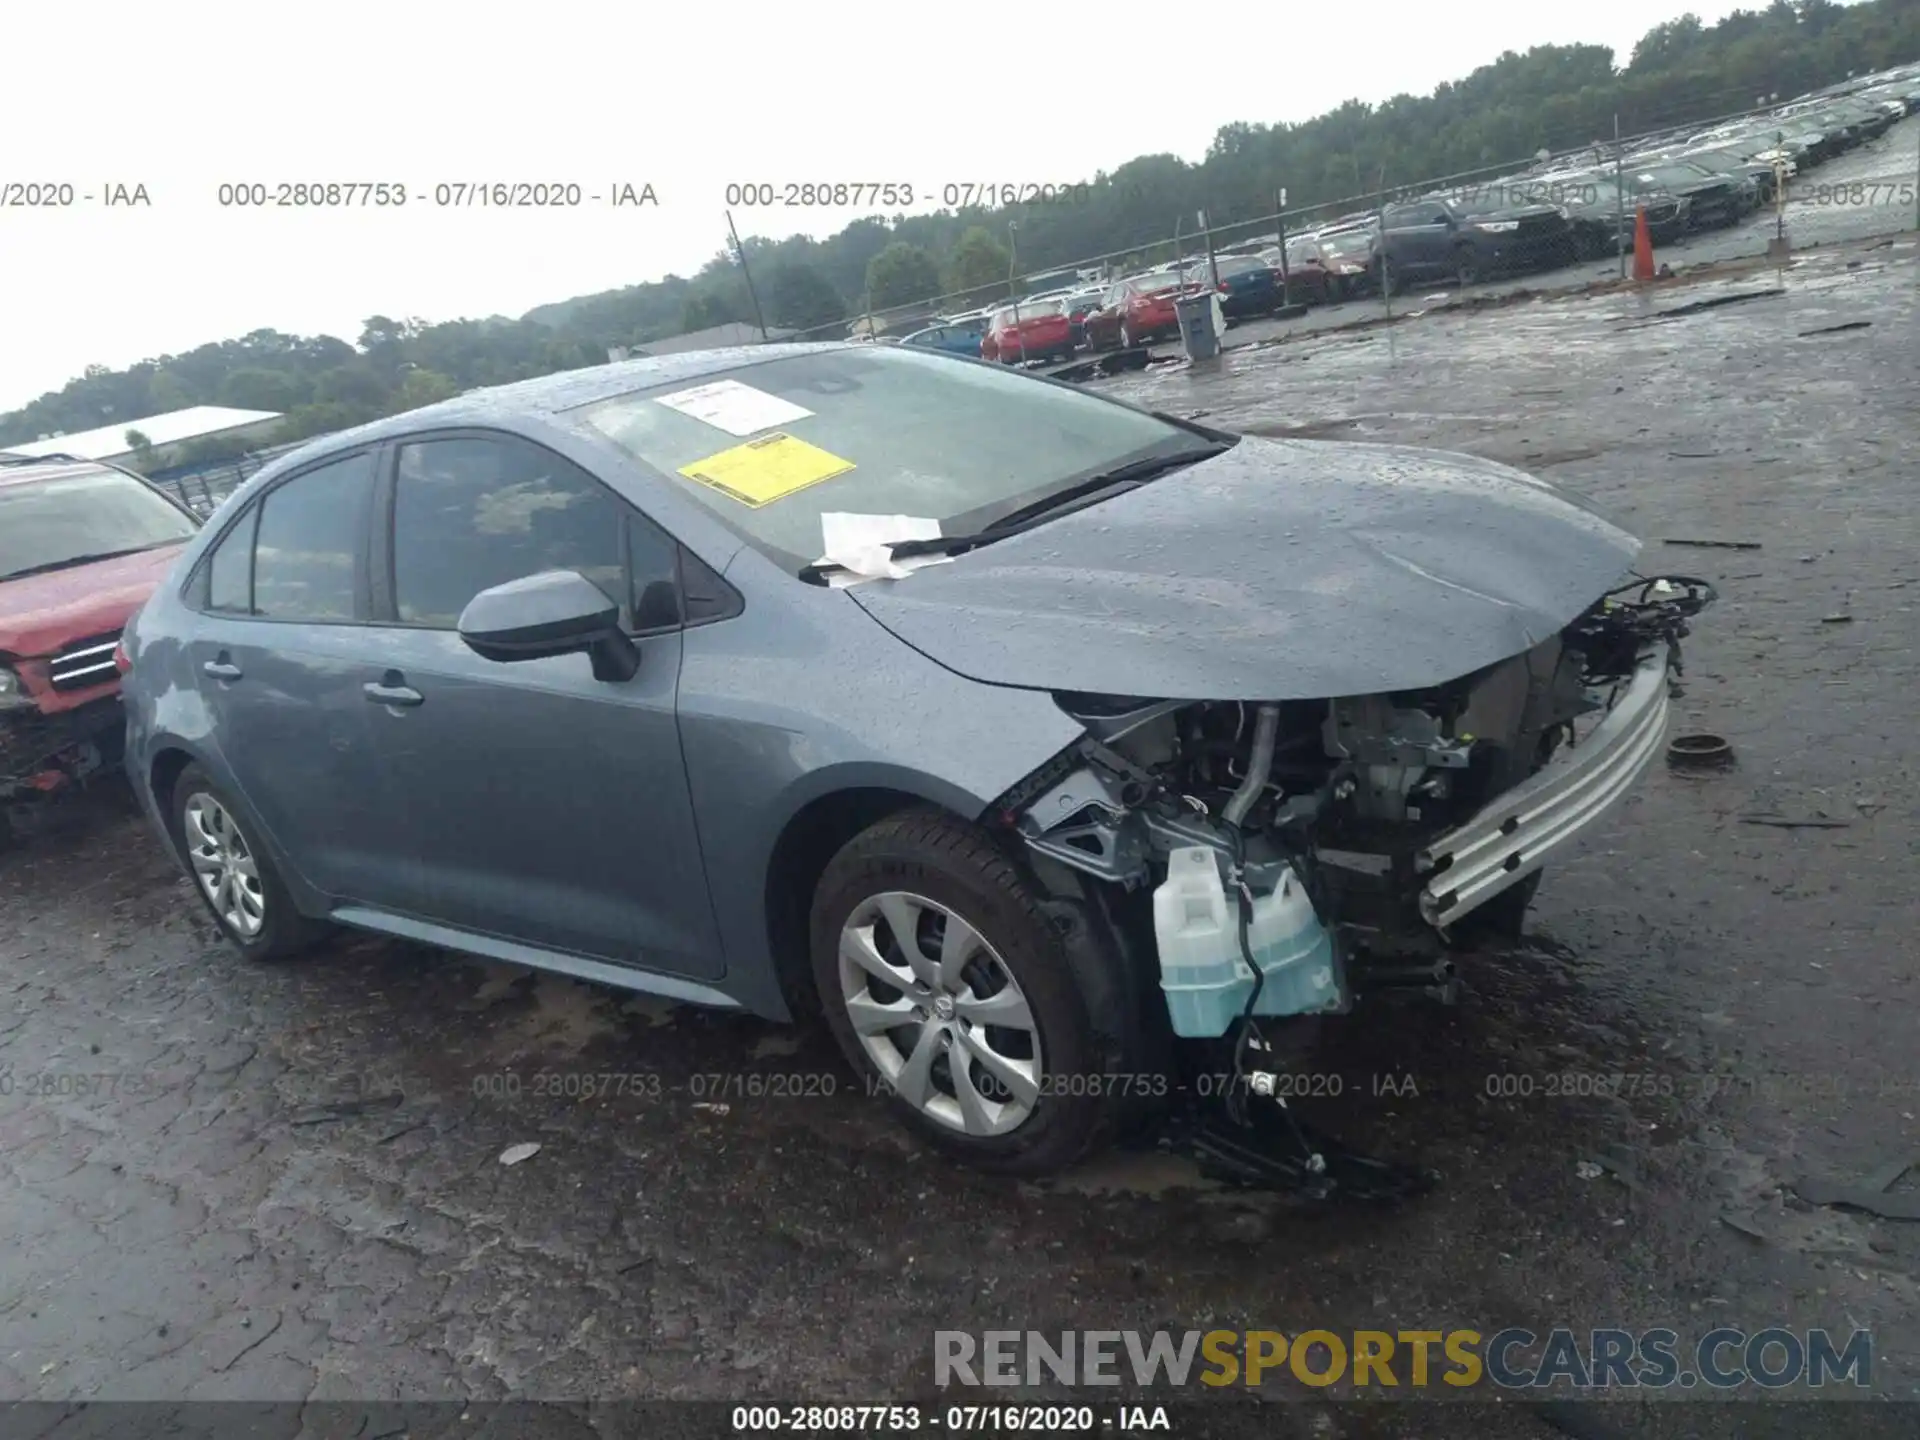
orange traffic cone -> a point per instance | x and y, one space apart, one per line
1642 247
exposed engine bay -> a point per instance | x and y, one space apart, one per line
1371 802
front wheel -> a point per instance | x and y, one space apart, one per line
951 992
1466 267
233 874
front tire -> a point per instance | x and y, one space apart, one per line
951 992
233 875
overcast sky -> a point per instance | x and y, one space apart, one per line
185 96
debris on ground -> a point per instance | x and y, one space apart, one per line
1787 822
347 1109
1869 1195
1836 329
514 1154
1715 544
1744 1226
1712 302
1587 1170
1839 617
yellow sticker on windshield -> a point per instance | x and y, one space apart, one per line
768 469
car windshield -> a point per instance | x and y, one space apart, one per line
45 524
1241 265
1031 310
1347 242
875 432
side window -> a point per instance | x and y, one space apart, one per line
654 556
310 537
471 513
230 569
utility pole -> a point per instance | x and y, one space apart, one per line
1620 195
740 252
1280 218
1380 241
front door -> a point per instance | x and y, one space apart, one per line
545 806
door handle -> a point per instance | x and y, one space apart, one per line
403 695
221 670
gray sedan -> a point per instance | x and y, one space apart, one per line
885 684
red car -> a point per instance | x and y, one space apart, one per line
1139 310
1037 330
82 546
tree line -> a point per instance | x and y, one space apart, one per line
1553 97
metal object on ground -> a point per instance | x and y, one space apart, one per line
1700 752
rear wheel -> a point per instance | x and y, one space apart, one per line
233 874
951 992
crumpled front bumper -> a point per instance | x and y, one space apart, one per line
1519 832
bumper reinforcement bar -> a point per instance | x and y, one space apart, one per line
1515 835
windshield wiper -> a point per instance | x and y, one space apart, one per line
73 560
1079 496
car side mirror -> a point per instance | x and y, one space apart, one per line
558 612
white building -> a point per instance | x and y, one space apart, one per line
166 433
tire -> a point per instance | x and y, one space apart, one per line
277 929
925 869
1466 266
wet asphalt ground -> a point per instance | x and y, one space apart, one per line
223 1181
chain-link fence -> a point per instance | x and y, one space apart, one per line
202 489
1874 188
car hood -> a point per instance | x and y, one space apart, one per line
1517 212
39 614
1282 569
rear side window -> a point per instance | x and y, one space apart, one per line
309 541
473 512
230 571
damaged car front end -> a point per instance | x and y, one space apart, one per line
1342 704
1402 816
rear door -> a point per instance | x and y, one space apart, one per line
545 806
281 656
1418 236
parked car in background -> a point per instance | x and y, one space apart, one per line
1028 330
555 674
1143 311
1248 286
960 336
82 545
1081 304
1309 276
1470 237
1713 201
1603 218
1759 174
1351 254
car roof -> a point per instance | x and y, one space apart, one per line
32 469
552 394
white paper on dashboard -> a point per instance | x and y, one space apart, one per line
858 544
735 408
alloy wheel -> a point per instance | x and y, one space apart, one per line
224 865
939 1015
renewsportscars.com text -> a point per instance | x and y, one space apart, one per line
1563 1358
